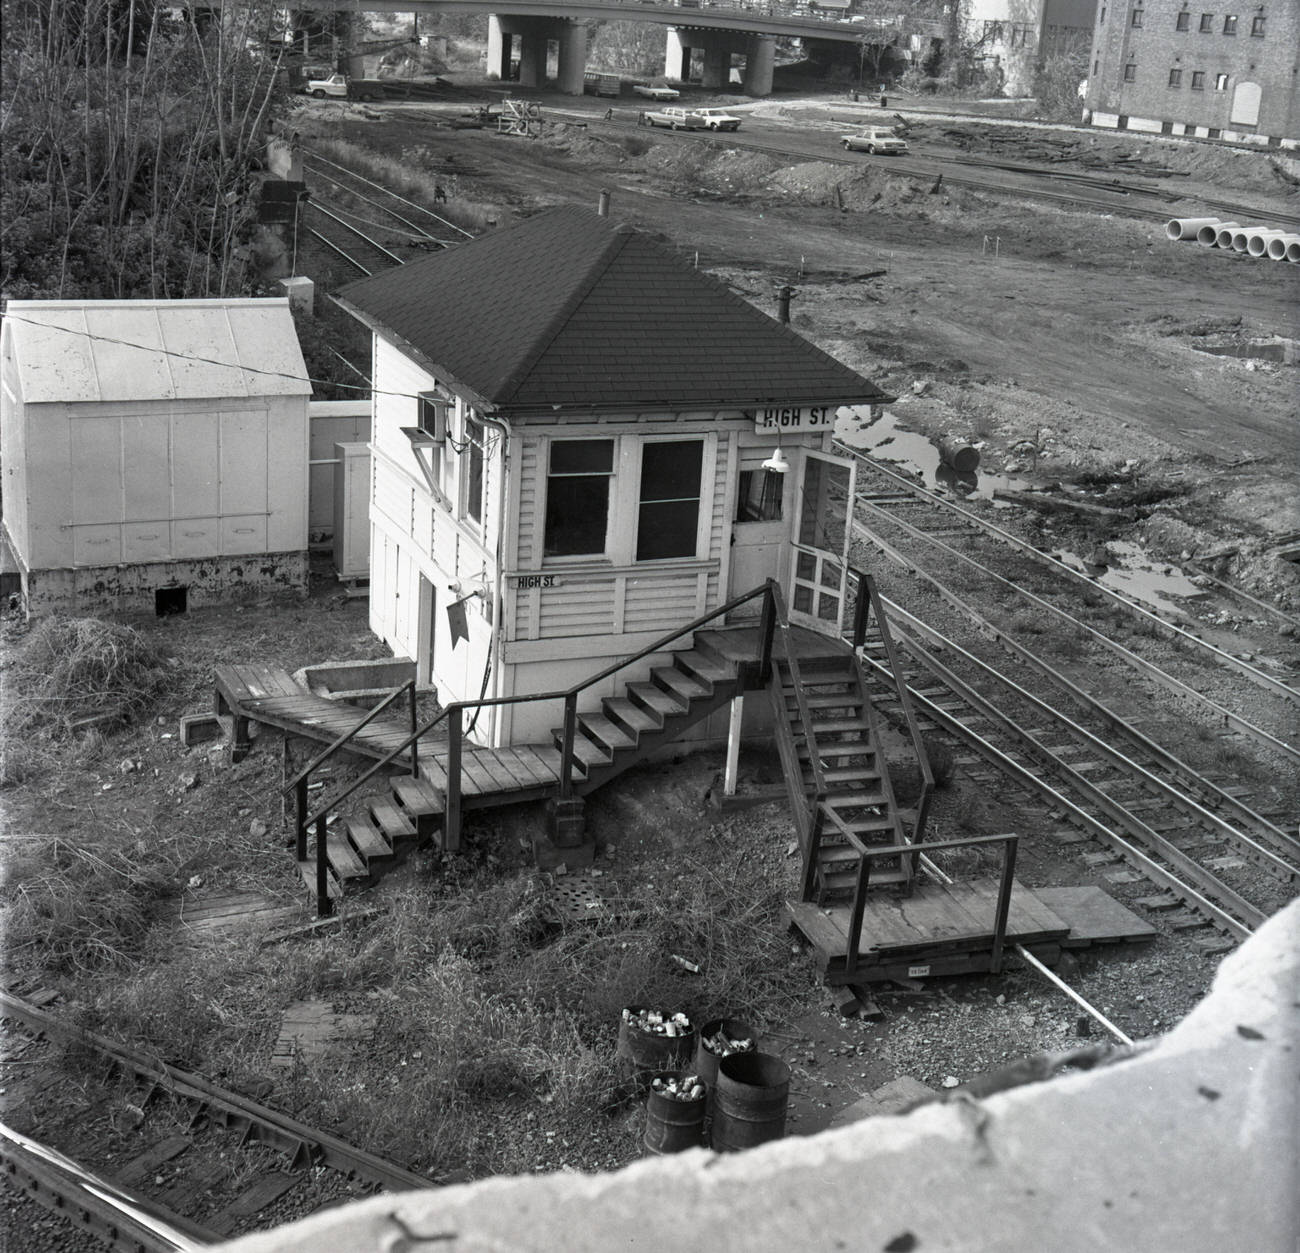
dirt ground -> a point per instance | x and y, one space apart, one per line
1082 335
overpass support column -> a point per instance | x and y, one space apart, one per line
573 57
717 69
677 56
532 61
498 49
760 60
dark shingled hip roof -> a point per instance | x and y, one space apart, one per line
567 311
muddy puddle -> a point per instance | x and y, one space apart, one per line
1127 571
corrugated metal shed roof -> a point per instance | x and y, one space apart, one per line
567 310
87 350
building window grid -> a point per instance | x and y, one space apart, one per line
1198 80
1230 24
1101 21
1220 82
1207 24
1130 73
1137 18
1175 78
1184 21
1257 27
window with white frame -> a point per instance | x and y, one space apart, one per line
668 513
578 480
1220 82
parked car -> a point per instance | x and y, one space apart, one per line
654 91
874 139
674 119
717 119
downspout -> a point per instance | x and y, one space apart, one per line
498 590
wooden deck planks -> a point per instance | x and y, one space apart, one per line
1094 917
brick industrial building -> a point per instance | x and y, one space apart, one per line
1172 68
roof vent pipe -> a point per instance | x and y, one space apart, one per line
602 208
783 295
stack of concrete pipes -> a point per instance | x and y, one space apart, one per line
1254 241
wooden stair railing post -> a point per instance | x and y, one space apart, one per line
855 916
566 748
814 842
324 906
415 738
861 610
451 819
1004 902
300 833
767 629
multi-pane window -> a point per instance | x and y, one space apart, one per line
1130 73
577 497
1184 21
1175 78
1137 17
668 515
1257 27
1230 24
993 32
1207 23
759 497
1198 80
1220 82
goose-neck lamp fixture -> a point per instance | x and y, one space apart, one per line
777 462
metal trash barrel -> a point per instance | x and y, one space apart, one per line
958 454
671 1124
642 1055
706 1060
750 1101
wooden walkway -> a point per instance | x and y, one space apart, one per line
947 929
488 775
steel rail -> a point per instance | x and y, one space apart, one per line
414 238
1244 668
347 256
308 1145
316 156
1130 658
1282 869
1015 541
356 230
1083 818
119 1217
1208 884
370 200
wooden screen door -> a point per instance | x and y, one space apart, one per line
821 533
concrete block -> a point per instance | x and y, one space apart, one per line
202 728
301 292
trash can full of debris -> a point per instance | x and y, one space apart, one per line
674 1113
652 1042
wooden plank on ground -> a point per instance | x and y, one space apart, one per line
820 931
1026 919
252 1201
139 1168
1093 916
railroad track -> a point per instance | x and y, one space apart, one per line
922 532
176 1152
1108 781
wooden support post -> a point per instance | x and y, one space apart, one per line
855 918
733 745
451 817
766 629
300 838
566 750
861 611
415 742
324 906
1004 903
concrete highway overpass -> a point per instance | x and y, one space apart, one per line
719 29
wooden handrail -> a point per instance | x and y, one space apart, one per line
331 749
867 583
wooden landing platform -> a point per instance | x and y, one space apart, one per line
947 929
489 776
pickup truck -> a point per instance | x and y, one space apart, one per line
675 119
345 88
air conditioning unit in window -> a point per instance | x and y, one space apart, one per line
433 419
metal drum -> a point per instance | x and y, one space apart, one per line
706 1061
672 1125
750 1101
642 1055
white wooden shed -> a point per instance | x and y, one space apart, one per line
570 432
155 453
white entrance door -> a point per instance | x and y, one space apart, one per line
760 529
1245 105
820 535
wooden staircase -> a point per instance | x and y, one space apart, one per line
825 705
410 813
650 714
